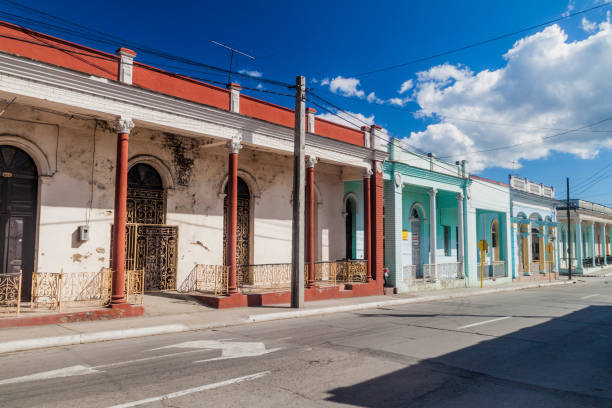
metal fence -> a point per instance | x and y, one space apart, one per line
409 273
56 290
213 278
10 292
495 269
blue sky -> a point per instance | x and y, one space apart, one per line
553 80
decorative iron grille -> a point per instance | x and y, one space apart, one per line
146 206
153 248
10 292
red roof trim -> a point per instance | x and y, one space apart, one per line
489 180
66 54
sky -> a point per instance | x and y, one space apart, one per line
506 106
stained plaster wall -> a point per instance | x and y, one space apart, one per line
67 199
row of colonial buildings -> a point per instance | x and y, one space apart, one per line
110 164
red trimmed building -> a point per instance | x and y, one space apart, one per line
112 165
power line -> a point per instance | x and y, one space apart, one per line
109 39
444 116
534 141
483 42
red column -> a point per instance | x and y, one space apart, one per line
376 243
123 126
310 232
232 215
366 222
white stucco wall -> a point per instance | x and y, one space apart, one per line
486 196
67 200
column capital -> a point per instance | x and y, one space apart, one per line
233 145
459 196
123 125
311 161
433 192
367 173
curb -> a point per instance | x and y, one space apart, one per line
385 303
83 338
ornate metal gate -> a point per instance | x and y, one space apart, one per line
153 248
150 244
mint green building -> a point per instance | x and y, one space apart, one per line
434 215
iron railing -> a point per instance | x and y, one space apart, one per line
409 273
56 290
10 292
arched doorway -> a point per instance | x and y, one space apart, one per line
18 198
535 244
350 227
243 225
495 240
150 244
524 247
415 230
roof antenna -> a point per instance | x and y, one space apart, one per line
233 50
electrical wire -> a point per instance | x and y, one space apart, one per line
483 42
109 39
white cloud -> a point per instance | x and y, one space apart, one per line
325 81
372 98
346 86
570 8
406 86
547 84
253 73
398 101
357 120
588 26
260 86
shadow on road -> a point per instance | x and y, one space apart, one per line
564 362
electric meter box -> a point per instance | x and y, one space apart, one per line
84 232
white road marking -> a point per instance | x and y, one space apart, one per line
84 370
193 390
589 296
229 350
46 375
485 322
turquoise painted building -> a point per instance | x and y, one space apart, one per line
434 215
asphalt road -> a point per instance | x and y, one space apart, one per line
543 348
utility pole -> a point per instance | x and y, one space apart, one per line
569 233
299 175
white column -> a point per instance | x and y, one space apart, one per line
604 249
578 245
593 252
602 241
460 231
432 229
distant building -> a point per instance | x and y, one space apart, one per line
589 229
534 228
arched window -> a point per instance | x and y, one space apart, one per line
495 240
243 221
146 199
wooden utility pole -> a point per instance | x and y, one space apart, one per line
299 175
569 233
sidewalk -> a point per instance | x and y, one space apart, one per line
172 314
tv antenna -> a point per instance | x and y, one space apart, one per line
233 50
